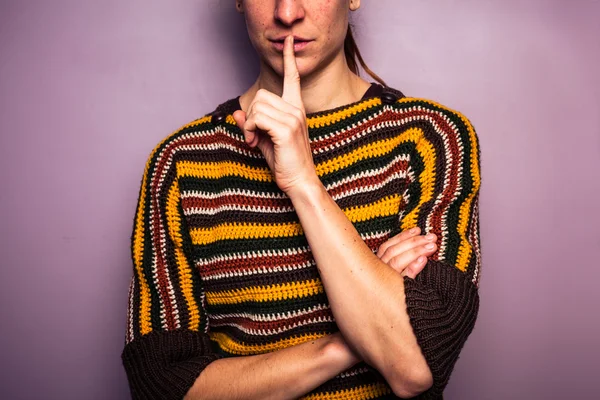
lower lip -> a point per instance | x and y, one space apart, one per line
297 45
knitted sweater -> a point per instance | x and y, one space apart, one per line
222 267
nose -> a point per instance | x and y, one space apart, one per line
289 11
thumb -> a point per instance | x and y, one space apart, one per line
240 119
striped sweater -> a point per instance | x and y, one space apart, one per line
221 266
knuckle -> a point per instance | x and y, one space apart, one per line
299 114
416 252
257 118
259 107
295 123
289 131
382 249
417 240
397 263
261 93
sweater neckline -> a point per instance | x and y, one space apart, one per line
375 90
373 99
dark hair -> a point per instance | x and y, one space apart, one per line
353 57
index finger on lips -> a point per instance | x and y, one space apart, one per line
291 77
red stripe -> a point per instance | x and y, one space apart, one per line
233 264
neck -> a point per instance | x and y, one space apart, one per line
323 89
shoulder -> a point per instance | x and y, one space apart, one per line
434 122
439 136
194 134
423 106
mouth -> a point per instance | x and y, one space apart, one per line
299 43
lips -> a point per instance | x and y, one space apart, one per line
296 39
299 43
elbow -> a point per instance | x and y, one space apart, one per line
419 382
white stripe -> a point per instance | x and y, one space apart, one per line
262 332
129 337
271 317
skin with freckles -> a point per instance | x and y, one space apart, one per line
323 23
320 29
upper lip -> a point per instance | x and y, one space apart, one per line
296 39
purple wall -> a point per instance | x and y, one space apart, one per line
87 90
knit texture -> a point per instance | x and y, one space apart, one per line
222 267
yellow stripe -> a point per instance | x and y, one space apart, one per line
283 291
140 234
381 208
211 170
359 393
242 230
138 248
316 122
371 150
465 249
227 231
234 347
426 178
185 272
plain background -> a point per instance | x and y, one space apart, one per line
88 88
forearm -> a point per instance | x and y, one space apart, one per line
366 295
284 374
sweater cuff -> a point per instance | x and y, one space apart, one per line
442 304
165 364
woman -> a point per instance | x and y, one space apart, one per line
315 237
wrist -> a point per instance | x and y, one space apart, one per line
308 192
339 352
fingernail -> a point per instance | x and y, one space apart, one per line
430 246
430 236
421 259
414 230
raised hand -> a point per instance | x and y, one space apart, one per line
407 252
277 125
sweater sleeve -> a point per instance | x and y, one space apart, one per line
167 344
442 197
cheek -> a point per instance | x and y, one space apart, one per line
332 18
256 21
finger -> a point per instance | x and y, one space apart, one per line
405 234
291 77
261 107
405 245
264 96
264 123
240 119
415 267
403 259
